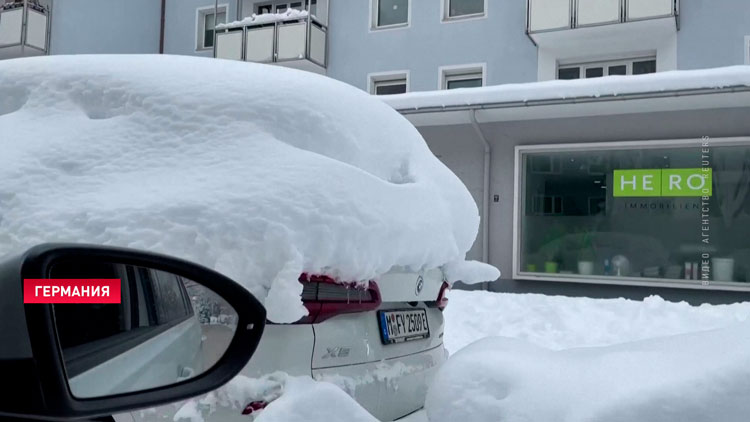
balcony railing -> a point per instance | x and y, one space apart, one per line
555 15
298 38
24 27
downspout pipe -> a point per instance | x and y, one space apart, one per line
485 189
161 25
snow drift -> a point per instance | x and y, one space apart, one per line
693 377
259 172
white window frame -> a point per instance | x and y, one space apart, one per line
446 18
373 79
461 72
747 49
374 18
200 21
605 64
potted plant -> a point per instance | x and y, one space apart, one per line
552 261
586 255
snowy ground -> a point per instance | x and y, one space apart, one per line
557 322
540 358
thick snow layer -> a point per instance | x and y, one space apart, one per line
289 14
259 172
557 322
290 399
656 360
695 377
582 88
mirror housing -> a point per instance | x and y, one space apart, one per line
30 353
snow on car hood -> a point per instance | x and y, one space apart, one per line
259 172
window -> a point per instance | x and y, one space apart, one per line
464 8
643 67
206 30
264 8
609 68
283 6
636 212
390 13
462 77
389 83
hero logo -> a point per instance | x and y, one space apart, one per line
336 352
420 285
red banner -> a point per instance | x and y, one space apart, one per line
71 290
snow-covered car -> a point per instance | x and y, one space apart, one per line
381 343
321 200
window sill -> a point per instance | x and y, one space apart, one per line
463 18
389 27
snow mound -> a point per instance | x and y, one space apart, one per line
557 322
695 377
257 171
289 399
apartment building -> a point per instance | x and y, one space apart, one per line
541 158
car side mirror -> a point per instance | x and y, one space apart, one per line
152 329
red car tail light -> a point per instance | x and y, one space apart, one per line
253 407
325 298
442 300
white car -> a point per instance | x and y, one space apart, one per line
382 344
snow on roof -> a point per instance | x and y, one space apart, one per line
260 172
724 77
289 14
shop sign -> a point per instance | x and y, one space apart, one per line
663 182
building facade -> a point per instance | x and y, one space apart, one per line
543 171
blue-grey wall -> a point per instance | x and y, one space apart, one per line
712 33
181 29
105 26
498 40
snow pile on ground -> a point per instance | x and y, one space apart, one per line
695 377
257 171
289 399
557 322
289 14
611 86
656 361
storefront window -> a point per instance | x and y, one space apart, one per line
634 213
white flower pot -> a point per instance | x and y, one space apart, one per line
723 269
585 267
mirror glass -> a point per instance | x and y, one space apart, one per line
165 330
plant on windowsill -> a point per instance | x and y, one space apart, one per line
586 255
552 261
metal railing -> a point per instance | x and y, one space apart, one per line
555 15
304 37
25 27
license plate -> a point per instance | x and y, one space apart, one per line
403 325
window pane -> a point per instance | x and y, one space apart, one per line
296 5
393 12
465 7
208 38
618 70
637 213
647 66
170 302
464 83
280 8
594 72
266 8
569 73
390 88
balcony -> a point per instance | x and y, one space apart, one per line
560 15
294 39
24 28
585 31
